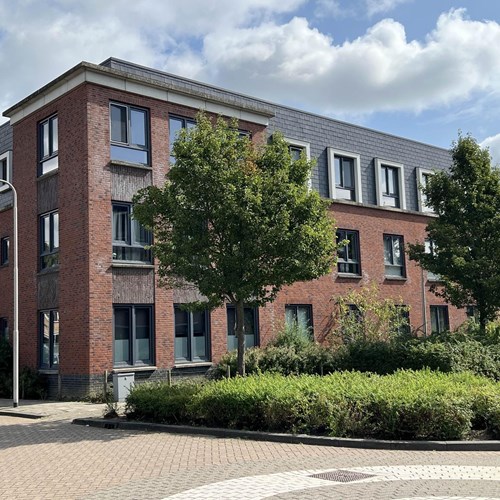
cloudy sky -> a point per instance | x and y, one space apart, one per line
422 69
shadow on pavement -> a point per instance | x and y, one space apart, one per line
16 431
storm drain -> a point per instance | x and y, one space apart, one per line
342 476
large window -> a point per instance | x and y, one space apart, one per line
129 134
440 321
49 240
348 261
4 329
5 169
394 259
129 237
251 327
176 124
403 320
423 176
191 335
430 247
49 339
300 315
133 335
389 179
4 251
48 145
344 175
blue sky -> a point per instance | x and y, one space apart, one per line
422 69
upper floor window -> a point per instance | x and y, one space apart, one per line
301 316
296 148
348 260
4 251
389 179
49 339
5 169
49 240
48 145
344 175
394 256
423 176
440 321
129 237
175 125
129 134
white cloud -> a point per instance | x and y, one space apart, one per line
379 71
247 46
493 143
381 6
41 39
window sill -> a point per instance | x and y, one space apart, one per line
395 278
47 175
192 364
349 276
145 368
48 371
121 163
48 270
138 265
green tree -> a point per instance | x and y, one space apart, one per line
363 315
466 231
236 220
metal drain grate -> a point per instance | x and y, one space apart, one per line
342 476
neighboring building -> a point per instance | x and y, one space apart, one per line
79 148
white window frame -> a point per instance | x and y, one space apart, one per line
331 154
422 207
7 156
307 148
401 182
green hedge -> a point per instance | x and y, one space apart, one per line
445 355
404 405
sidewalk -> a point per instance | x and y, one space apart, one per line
51 410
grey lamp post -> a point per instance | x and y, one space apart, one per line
15 339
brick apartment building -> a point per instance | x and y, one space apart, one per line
79 148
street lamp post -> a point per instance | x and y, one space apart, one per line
15 339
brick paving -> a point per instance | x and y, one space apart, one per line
50 458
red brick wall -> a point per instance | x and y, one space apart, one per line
85 276
6 272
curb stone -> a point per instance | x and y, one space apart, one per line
7 413
379 444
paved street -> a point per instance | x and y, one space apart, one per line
50 458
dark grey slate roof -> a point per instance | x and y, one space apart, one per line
5 137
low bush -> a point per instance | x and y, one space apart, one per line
404 405
159 402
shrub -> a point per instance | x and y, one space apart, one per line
159 402
404 405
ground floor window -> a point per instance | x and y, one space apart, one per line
440 321
192 335
403 320
4 329
49 339
300 315
133 335
251 327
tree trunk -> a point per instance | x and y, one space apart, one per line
240 335
483 320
